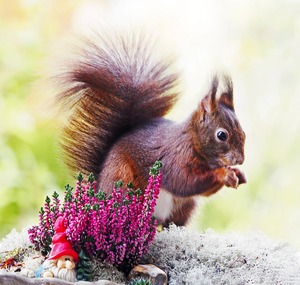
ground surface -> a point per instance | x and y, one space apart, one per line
204 258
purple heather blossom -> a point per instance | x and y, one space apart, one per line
116 228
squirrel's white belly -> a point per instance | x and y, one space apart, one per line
164 206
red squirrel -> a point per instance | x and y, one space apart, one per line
117 93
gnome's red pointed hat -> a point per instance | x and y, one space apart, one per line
60 245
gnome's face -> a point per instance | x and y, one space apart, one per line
66 261
62 267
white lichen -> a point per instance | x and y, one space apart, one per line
208 258
30 265
15 240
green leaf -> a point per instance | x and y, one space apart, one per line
55 195
130 185
80 271
90 192
101 196
155 169
47 200
79 177
119 184
82 255
96 207
68 188
85 264
87 207
91 178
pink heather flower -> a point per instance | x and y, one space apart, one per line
118 228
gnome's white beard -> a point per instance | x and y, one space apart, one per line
64 273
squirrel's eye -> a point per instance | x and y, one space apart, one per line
221 135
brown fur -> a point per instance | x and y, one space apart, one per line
111 86
117 129
182 211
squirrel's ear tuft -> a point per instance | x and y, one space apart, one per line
226 97
208 103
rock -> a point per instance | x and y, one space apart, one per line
155 274
8 278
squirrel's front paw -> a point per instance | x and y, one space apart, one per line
230 178
227 177
241 176
234 177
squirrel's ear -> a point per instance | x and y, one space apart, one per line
227 100
208 103
226 97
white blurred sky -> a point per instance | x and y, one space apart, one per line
257 42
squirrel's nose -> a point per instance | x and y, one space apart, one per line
240 159
237 158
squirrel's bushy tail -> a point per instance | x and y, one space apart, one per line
114 84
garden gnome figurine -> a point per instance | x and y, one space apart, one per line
62 260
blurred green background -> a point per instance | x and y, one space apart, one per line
256 41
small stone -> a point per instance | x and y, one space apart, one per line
150 271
